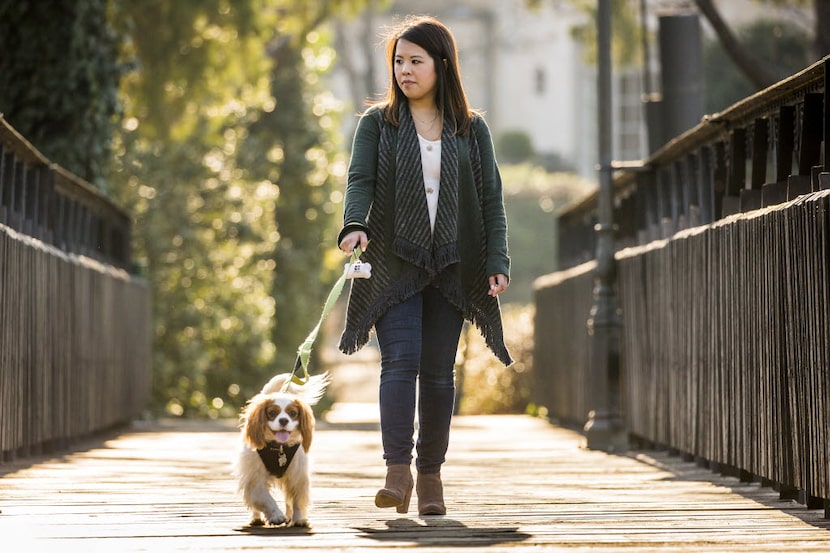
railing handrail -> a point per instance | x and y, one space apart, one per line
721 274
75 341
712 126
111 240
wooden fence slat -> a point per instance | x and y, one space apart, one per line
724 343
70 363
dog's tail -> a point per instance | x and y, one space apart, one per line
311 392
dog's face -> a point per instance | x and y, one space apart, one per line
277 417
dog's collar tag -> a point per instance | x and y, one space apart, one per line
276 457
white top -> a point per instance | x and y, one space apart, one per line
431 165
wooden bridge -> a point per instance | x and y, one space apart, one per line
724 282
513 483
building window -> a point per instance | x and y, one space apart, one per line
540 81
629 124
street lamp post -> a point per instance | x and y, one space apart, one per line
604 429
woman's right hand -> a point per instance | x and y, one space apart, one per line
351 240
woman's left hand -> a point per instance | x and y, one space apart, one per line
498 284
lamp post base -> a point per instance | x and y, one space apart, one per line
605 432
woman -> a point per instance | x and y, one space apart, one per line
424 187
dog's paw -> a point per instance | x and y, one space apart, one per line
277 519
256 521
300 523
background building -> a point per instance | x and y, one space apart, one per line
520 66
528 72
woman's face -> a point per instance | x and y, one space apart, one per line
415 71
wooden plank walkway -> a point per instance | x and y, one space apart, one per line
513 483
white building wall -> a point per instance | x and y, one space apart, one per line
543 87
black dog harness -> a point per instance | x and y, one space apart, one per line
276 457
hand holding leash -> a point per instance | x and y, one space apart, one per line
355 269
355 239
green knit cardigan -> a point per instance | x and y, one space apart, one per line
482 237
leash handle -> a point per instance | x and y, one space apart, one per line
304 351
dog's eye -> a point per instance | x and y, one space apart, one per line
292 412
272 413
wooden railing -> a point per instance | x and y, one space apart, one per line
764 150
74 323
43 200
724 287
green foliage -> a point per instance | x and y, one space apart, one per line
305 168
60 71
515 147
227 160
197 60
626 40
782 46
532 196
487 386
201 232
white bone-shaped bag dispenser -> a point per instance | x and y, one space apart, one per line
358 269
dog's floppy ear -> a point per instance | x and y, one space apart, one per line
306 423
254 420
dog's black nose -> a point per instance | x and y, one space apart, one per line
284 421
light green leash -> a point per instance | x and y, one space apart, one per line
354 269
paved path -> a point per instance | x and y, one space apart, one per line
513 483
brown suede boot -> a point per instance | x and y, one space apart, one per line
398 488
430 495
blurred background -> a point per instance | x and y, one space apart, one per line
224 127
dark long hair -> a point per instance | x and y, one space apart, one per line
434 37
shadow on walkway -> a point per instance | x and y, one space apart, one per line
441 532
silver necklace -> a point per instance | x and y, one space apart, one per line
432 123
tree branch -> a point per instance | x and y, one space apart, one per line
821 44
759 75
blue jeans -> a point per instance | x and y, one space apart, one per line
418 340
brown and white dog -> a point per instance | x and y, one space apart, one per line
277 429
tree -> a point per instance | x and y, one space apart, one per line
227 159
821 44
753 66
202 231
784 56
361 83
626 43
757 73
305 161
60 71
